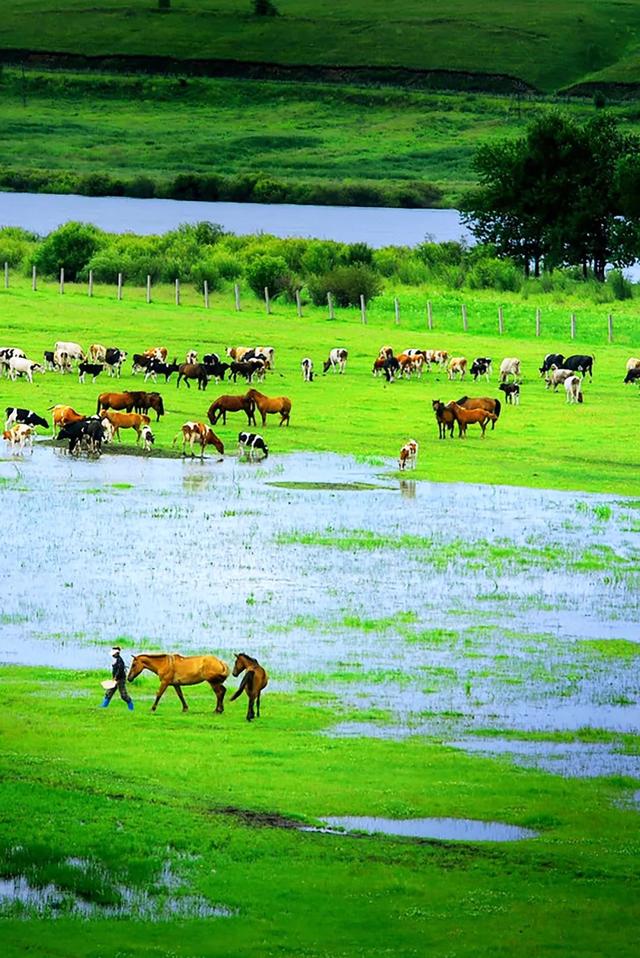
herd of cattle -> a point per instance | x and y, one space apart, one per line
117 411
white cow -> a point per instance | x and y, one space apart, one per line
73 351
7 353
509 367
19 366
573 387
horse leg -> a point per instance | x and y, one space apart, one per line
185 707
250 712
164 685
220 692
258 705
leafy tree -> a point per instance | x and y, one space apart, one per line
70 248
269 271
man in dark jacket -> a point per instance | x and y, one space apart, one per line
119 673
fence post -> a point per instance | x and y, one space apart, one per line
119 285
6 276
298 304
34 280
236 293
330 305
177 292
538 321
267 301
396 306
500 321
573 325
429 315
62 280
206 294
363 308
90 282
465 325
148 288
610 327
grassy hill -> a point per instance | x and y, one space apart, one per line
548 45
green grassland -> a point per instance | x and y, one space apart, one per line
298 133
128 794
543 443
547 44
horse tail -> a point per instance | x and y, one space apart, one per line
247 683
497 408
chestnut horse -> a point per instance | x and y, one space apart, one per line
444 417
482 402
224 404
465 417
269 404
254 680
177 670
123 402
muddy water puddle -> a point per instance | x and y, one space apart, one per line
453 607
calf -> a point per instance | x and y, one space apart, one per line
307 369
215 370
509 367
481 367
247 368
62 361
580 364
511 392
210 359
141 363
74 432
551 359
27 416
18 436
147 438
457 367
125 420
408 455
556 376
633 376
250 443
157 368
573 387
19 366
93 369
97 353
50 360
337 361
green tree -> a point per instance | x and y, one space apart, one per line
70 248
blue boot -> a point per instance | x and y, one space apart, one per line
105 702
130 705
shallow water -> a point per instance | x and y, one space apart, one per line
445 829
468 624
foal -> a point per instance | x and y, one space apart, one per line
253 682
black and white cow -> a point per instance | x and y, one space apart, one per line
93 369
250 443
337 360
511 392
307 369
114 359
6 354
580 364
552 359
157 368
633 376
26 416
481 367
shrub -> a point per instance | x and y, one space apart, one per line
619 284
264 270
70 246
206 268
347 284
320 256
500 274
358 253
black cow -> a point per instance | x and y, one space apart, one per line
580 364
481 367
88 432
157 368
251 442
247 368
141 363
552 359
391 367
26 416
633 376
94 369
215 370
211 359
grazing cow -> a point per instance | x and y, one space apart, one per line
457 367
633 376
441 357
482 402
337 361
93 369
464 418
509 367
385 352
50 360
556 376
215 370
250 443
62 362
7 353
408 455
551 359
19 366
125 420
97 353
192 357
64 415
224 404
157 352
481 367
580 364
307 369
73 351
147 438
444 418
271 405
18 436
411 363
210 359
197 371
633 363
573 388
198 432
88 433
157 368
26 416
511 393
114 360
238 352
248 368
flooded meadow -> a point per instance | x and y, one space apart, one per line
499 620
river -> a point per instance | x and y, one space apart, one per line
43 212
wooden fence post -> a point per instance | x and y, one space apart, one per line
363 308
500 321
119 285
396 307
429 315
236 293
90 282
298 304
62 281
206 294
610 327
6 276
177 292
267 301
148 288
34 279
538 321
465 324
573 325
330 305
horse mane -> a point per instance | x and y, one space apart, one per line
249 658
464 399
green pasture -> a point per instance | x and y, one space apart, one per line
544 442
547 44
126 794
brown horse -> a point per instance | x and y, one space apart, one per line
144 401
444 417
177 670
464 417
268 404
254 680
482 402
224 404
120 401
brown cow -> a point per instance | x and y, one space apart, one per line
126 420
157 352
63 415
198 432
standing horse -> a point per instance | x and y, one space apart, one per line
482 402
444 417
271 404
177 670
254 680
465 417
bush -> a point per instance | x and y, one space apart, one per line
358 253
269 271
205 268
70 247
347 284
619 285
500 274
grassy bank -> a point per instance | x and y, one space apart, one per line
132 795
542 443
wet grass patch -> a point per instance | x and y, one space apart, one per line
610 648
